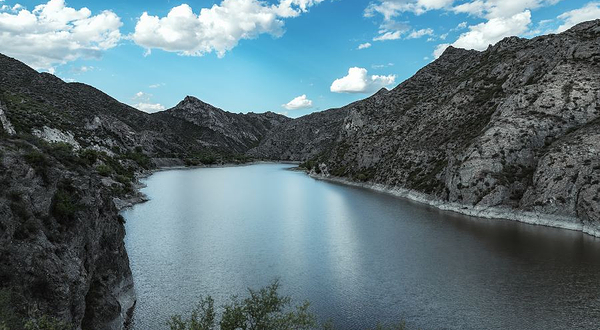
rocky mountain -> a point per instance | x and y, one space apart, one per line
226 131
513 132
510 129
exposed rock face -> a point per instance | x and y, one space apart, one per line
224 130
513 127
61 239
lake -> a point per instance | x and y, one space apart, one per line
360 257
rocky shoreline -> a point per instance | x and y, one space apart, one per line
487 212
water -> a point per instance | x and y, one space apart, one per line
359 256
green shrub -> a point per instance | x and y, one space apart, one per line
140 158
88 157
39 162
104 170
265 309
46 322
65 203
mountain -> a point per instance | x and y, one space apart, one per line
225 131
512 132
508 132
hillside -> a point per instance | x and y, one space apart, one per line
514 127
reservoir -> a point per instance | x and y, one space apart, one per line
360 257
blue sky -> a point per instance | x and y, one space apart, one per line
251 55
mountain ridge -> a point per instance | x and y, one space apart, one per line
514 128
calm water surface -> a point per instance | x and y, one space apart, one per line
360 257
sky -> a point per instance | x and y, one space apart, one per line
292 57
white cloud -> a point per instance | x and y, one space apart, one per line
156 85
439 50
389 36
218 28
381 66
142 102
149 107
53 34
364 46
300 102
571 18
358 81
415 34
82 69
500 8
392 8
480 36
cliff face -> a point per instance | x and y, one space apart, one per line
61 239
513 127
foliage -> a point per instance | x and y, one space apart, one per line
201 318
38 162
104 170
140 158
264 309
46 322
65 202
8 315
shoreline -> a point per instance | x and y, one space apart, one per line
490 212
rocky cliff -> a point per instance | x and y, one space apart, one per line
510 129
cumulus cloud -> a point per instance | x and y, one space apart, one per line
358 81
392 8
216 29
300 102
503 18
142 102
53 34
149 107
571 18
500 8
364 46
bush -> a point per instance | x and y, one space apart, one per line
104 170
88 157
46 322
38 162
65 203
265 309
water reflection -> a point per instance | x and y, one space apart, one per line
360 257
